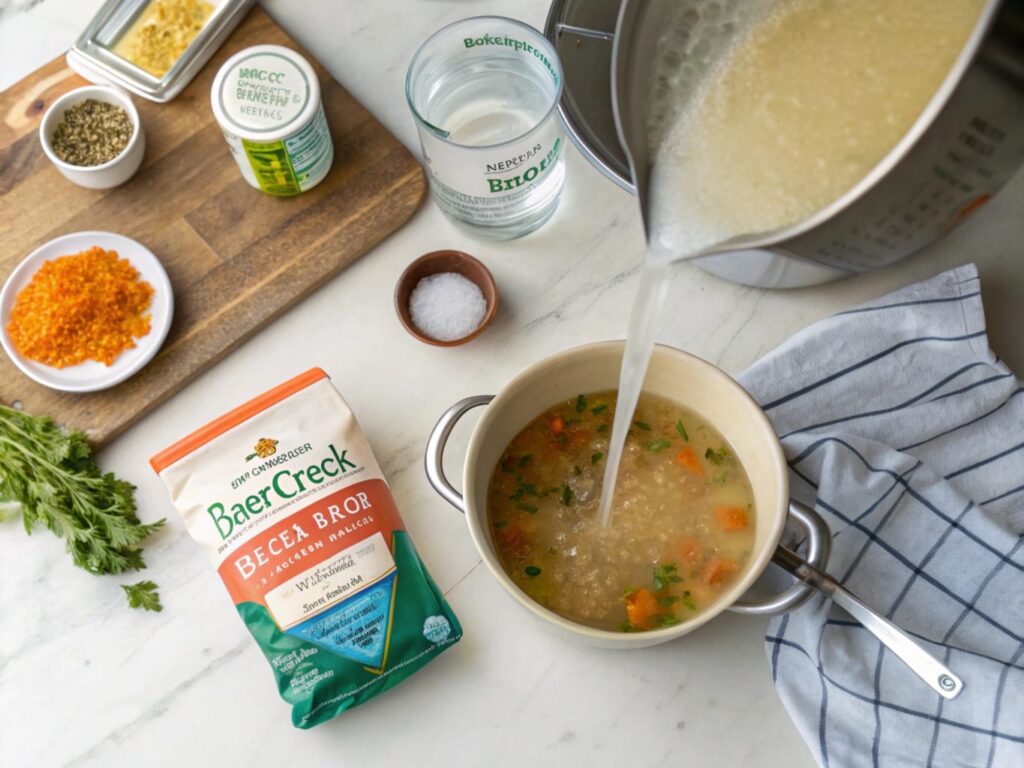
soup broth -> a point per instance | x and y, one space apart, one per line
682 526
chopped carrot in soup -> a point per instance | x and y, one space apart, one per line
682 524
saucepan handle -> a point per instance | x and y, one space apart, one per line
435 449
819 546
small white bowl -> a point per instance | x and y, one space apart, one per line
113 172
91 376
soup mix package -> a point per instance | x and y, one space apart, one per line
289 503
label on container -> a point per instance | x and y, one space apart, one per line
268 107
295 164
493 185
263 93
496 158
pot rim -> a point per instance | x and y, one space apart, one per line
755 566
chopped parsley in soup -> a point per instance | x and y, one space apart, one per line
682 523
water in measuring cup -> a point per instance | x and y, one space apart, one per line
494 102
488 102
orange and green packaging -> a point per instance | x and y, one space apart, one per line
286 498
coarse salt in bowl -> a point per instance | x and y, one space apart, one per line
446 298
447 306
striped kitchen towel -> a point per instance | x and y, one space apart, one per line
907 434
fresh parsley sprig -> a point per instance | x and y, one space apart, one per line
50 474
143 595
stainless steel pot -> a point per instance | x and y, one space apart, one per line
966 145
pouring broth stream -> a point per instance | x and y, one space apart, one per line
764 113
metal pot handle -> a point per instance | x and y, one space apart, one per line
433 459
819 546
819 537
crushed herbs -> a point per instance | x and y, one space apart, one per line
92 132
49 474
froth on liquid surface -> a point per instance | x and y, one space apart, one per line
761 114
807 97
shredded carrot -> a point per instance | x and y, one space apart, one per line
688 460
87 306
731 517
719 569
689 550
512 541
641 608
557 425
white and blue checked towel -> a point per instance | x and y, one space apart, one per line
907 434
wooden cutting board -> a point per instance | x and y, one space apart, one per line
237 258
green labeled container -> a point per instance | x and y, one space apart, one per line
267 102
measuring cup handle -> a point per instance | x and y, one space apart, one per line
434 457
819 546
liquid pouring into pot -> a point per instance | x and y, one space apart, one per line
757 116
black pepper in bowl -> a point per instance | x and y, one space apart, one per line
92 132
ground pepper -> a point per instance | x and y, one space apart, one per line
88 306
92 133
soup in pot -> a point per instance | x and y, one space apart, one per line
682 525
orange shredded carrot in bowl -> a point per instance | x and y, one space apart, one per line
87 306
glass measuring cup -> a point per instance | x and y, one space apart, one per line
484 93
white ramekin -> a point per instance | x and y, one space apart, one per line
113 172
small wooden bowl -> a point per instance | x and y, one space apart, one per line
436 263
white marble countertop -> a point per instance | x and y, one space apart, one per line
86 681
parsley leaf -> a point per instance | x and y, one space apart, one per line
658 445
596 456
682 431
527 508
523 489
581 403
143 595
642 425
531 570
599 408
567 495
49 473
719 457
664 575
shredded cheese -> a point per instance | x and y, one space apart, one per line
162 33
88 306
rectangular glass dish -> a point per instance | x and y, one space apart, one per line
93 55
